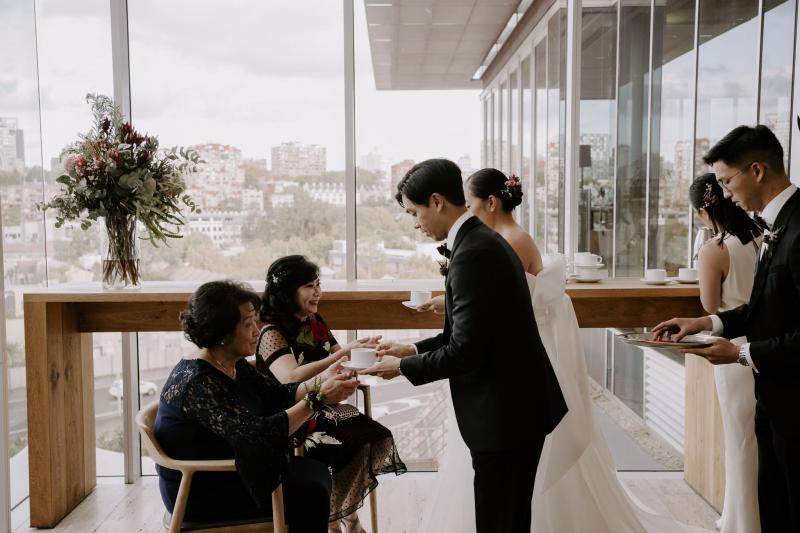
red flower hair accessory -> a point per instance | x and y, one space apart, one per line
512 188
710 198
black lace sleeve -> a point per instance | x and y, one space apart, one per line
272 392
271 345
259 442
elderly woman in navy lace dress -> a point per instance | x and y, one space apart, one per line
217 406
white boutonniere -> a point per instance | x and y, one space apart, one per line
318 437
771 238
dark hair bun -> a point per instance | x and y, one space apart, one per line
491 182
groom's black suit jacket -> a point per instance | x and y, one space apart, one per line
504 390
771 321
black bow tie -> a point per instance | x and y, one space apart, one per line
444 250
761 223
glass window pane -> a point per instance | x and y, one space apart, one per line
71 64
671 169
597 128
513 166
501 120
630 224
726 90
416 416
21 183
396 129
269 126
556 129
485 141
525 142
776 70
540 167
628 373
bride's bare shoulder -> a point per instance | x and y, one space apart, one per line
526 249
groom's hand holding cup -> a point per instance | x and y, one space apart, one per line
394 349
387 368
389 354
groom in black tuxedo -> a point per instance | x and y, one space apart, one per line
748 163
505 393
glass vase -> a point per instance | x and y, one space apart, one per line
121 254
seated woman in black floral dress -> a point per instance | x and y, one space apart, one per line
217 406
295 345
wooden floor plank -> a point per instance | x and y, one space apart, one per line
117 508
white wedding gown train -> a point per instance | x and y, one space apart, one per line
577 489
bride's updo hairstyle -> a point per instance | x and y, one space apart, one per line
491 182
726 217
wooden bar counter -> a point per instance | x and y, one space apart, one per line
59 322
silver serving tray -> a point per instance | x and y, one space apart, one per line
646 339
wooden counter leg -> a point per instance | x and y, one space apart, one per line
704 448
61 425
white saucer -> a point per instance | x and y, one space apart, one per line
587 280
408 304
686 281
352 366
596 265
655 282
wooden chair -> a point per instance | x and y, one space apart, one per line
145 420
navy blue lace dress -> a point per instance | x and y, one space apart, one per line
203 414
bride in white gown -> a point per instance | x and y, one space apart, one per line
577 489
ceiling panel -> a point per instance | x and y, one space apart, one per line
432 44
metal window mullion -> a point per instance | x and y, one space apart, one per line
693 142
792 106
120 58
546 177
573 77
759 57
647 146
130 406
532 140
350 143
616 145
5 449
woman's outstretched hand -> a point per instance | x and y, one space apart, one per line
338 388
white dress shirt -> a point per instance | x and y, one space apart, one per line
770 215
451 240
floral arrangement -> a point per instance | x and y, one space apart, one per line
119 175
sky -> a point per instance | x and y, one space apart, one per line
251 75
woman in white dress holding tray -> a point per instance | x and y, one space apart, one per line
726 267
577 489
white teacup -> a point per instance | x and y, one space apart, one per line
655 274
419 297
362 357
587 259
687 274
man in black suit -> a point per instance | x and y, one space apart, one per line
505 393
748 163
